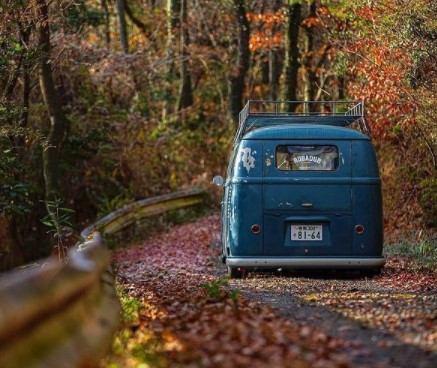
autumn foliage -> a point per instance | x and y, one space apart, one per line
128 136
380 71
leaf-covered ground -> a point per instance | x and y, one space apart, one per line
181 312
390 320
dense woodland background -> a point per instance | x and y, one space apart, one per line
103 102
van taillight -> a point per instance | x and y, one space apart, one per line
359 229
255 229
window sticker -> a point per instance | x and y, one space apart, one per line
247 158
306 157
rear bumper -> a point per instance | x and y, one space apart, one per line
306 262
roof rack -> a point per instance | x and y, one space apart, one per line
261 113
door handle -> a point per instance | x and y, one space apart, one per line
307 205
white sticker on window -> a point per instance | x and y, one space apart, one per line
307 158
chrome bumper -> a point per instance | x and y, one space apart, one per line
306 262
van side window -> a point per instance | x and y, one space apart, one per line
307 157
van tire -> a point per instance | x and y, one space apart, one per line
236 273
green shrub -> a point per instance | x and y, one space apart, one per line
217 291
421 246
428 201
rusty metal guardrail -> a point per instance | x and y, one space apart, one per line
130 213
64 314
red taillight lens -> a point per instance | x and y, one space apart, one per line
255 229
359 229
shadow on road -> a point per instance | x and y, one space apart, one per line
384 325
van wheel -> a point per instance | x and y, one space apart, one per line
236 273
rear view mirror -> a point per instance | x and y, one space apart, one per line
218 180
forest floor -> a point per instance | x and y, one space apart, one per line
181 311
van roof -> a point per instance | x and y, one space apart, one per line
305 131
269 115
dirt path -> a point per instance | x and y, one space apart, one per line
386 325
190 316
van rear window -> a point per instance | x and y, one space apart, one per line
307 157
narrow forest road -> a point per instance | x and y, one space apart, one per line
191 316
389 321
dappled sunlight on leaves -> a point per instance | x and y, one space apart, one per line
405 315
190 317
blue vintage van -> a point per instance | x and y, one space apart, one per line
302 190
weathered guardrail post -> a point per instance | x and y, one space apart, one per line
61 314
64 314
130 213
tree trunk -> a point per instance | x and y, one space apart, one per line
341 87
24 116
59 124
274 60
291 64
121 14
133 18
25 33
106 15
238 74
10 252
185 90
173 21
8 82
310 60
274 73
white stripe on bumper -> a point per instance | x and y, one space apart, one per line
305 262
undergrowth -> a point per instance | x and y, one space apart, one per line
418 245
139 341
133 345
217 291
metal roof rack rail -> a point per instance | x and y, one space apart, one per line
261 113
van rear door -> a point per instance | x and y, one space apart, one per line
307 198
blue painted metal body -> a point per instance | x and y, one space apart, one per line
257 193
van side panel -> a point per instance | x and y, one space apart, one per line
368 212
367 200
245 202
364 164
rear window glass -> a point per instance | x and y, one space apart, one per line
307 157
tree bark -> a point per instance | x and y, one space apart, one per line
121 14
24 116
8 82
133 18
59 124
291 64
25 33
10 252
309 61
173 22
185 89
106 15
274 61
238 75
341 87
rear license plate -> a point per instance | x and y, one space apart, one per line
306 232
